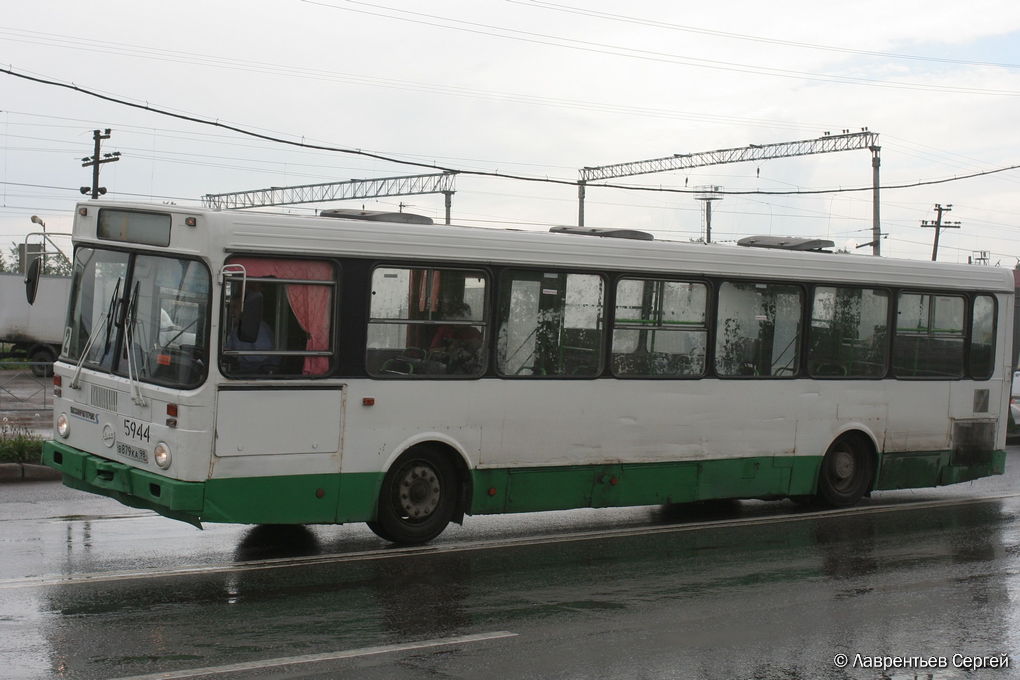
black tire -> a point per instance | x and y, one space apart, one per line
417 499
39 358
846 473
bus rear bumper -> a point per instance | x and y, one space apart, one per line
136 488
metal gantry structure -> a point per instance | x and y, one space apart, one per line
407 185
827 143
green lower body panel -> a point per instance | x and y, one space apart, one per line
339 498
920 469
582 486
289 499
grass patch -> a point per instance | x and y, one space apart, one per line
14 365
19 445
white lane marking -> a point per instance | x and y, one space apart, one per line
319 658
497 544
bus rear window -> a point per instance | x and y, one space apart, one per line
129 226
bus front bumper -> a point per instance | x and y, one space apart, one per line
136 488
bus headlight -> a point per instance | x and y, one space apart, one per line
63 425
161 454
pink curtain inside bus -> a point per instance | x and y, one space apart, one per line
310 303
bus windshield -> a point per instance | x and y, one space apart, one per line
139 315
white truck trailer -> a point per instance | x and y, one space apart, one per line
33 332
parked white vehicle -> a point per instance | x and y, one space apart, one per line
33 331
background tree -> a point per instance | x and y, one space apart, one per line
9 264
55 263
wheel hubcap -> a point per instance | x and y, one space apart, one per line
843 467
419 491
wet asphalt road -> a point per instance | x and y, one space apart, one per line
91 589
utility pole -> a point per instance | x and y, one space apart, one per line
94 161
876 222
939 225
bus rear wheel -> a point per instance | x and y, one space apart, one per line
847 470
417 499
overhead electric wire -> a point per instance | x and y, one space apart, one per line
173 56
231 140
78 190
583 11
635 53
477 173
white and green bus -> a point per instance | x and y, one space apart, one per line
250 367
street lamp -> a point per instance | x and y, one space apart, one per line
38 220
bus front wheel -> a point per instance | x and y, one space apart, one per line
847 470
417 499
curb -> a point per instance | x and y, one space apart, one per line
27 472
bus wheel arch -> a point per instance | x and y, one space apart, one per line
848 470
424 489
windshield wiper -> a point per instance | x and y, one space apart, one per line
104 324
129 332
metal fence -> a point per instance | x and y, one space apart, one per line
25 395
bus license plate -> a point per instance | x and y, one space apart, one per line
132 452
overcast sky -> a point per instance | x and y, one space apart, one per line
534 88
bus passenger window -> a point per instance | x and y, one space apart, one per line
982 337
550 324
849 333
659 329
426 323
277 318
758 329
929 336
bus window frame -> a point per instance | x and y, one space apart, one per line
966 296
799 370
608 303
487 275
890 316
968 372
331 354
708 326
118 347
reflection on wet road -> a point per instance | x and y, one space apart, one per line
736 590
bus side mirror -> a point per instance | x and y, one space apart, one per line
32 280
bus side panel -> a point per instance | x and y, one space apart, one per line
564 487
270 421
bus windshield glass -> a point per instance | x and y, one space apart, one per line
139 315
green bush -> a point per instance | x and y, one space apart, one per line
19 445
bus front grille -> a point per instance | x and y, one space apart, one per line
105 398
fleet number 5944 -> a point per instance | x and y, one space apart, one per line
136 430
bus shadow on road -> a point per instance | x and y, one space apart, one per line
275 541
699 511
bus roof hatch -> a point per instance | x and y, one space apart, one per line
605 233
817 245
